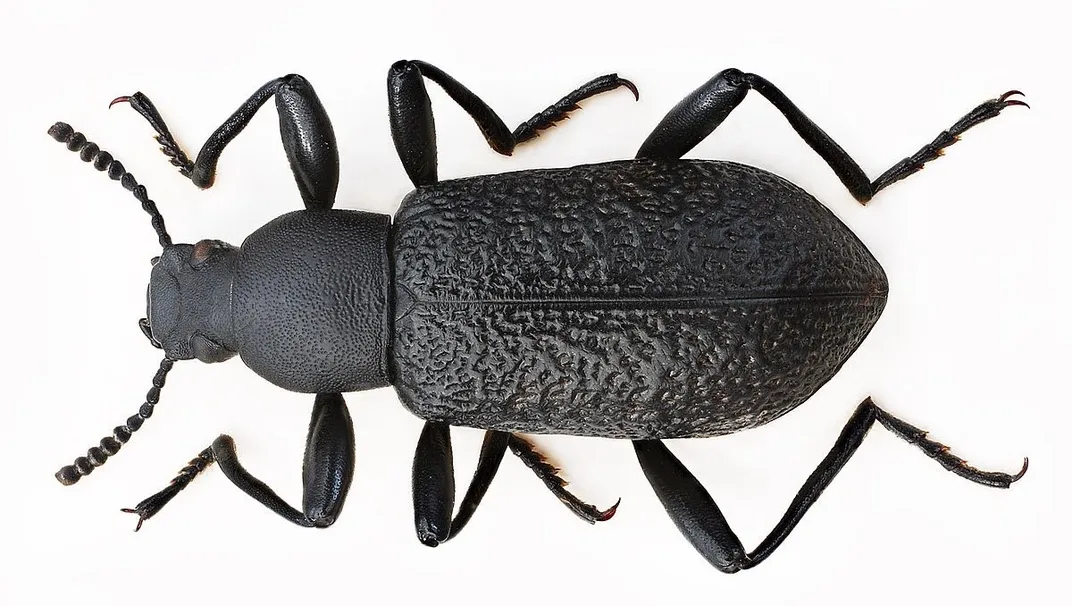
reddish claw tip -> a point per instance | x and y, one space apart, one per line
1002 99
632 88
123 99
609 513
140 519
1023 470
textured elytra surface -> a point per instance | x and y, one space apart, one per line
631 299
309 299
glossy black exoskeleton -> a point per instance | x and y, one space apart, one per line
642 299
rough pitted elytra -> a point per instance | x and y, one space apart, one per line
682 299
641 299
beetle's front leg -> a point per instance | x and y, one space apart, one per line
697 516
304 127
433 482
413 128
326 474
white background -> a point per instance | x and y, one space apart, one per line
973 345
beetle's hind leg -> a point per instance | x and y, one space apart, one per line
433 482
413 128
698 114
304 127
326 474
697 516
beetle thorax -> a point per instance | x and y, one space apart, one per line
310 301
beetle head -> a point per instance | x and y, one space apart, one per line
188 302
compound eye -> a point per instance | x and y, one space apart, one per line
203 251
209 351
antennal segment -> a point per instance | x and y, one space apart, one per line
104 162
110 445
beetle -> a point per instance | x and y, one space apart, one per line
641 299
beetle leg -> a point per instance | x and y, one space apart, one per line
491 454
934 150
413 127
148 508
304 127
697 516
526 451
433 482
698 114
326 474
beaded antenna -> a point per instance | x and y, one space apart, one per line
103 161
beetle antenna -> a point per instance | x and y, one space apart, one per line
110 445
103 161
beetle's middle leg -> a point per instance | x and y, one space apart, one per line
304 127
413 128
326 474
697 516
433 482
698 114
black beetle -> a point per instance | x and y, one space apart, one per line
642 299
